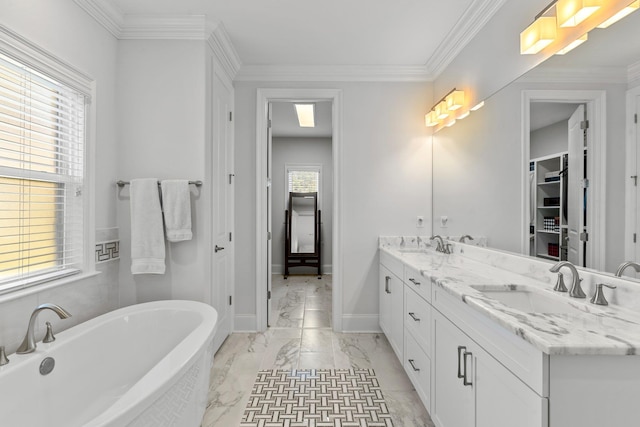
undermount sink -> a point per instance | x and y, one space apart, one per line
528 300
412 251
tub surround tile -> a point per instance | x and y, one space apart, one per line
594 330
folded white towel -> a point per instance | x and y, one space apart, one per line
176 205
147 237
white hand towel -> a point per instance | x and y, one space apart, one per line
176 204
147 237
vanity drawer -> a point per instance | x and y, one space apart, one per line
417 318
417 282
418 367
392 263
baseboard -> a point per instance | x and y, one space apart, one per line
279 269
360 323
245 323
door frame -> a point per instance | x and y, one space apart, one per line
631 167
595 101
264 97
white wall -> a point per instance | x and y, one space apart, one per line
549 140
68 33
386 183
477 170
162 91
301 150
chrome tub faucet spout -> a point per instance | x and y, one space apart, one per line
576 290
29 343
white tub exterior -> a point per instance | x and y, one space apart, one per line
143 365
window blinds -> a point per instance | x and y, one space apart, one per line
42 140
303 181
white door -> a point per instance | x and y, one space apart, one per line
635 104
269 215
576 192
222 201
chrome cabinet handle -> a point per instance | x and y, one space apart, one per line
414 281
465 381
461 348
387 279
413 316
411 362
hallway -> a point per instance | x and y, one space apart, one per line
302 339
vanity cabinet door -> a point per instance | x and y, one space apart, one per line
392 309
452 402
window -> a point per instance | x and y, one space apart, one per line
42 146
303 178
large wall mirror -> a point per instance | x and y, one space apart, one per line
520 173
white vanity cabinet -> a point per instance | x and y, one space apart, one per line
391 294
471 388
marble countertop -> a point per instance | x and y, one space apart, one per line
587 330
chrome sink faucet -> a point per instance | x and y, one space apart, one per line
442 247
466 236
624 266
29 343
576 290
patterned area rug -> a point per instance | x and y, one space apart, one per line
316 398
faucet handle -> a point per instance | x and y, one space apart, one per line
3 356
49 337
560 286
598 298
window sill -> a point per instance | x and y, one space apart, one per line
30 289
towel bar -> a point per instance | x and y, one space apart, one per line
123 183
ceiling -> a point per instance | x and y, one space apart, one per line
333 32
285 121
544 114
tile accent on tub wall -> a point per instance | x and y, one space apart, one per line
107 244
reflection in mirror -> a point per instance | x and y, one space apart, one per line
302 232
482 180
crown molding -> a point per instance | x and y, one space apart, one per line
611 75
334 73
470 23
224 51
105 13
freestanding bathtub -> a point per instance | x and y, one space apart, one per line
143 365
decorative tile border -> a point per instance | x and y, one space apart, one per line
316 398
107 251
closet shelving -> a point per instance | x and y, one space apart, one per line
549 223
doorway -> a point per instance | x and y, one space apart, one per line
563 147
632 219
266 211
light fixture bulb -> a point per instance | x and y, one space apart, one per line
430 119
574 44
618 16
571 13
455 100
450 123
306 115
538 35
441 111
463 115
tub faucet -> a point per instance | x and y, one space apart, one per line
576 290
624 266
29 343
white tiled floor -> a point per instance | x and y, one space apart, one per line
302 338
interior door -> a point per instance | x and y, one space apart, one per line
222 284
636 220
269 214
576 191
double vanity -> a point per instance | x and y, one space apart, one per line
487 342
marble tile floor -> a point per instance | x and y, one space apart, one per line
301 338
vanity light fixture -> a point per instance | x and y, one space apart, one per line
441 110
447 110
430 119
463 115
306 115
574 44
571 13
538 35
618 16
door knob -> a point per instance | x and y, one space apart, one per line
219 248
